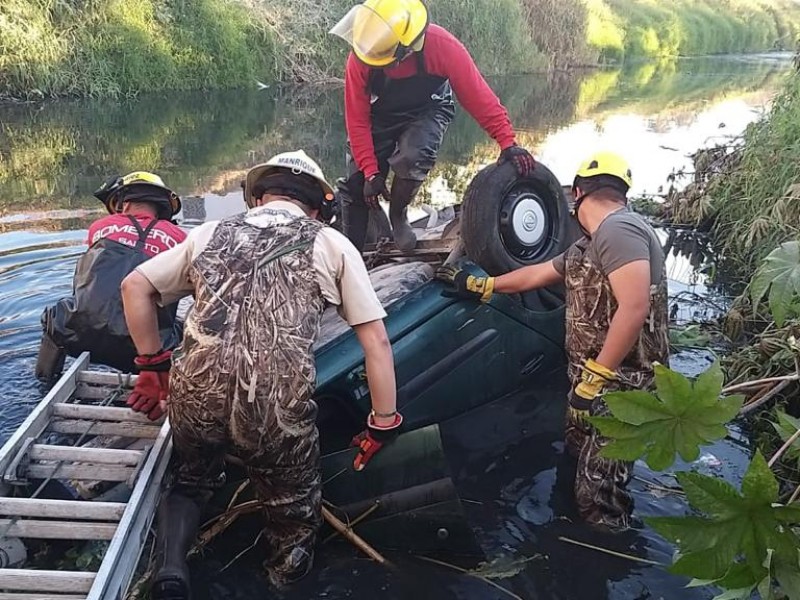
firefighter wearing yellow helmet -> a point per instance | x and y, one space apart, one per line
617 321
399 84
243 380
139 225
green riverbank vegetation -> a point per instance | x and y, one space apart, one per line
743 198
121 47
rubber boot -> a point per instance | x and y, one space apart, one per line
403 193
50 360
355 214
178 521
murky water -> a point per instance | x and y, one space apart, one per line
518 498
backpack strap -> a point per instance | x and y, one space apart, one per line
143 233
376 82
420 56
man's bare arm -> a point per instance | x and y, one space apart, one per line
139 300
630 285
527 278
380 368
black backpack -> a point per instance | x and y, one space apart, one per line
92 319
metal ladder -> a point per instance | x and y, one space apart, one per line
77 406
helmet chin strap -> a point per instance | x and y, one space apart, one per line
578 201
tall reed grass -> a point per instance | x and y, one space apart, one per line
755 205
121 47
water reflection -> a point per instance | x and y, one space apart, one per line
53 155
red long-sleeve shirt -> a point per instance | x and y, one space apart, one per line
444 56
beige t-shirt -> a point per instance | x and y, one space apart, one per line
341 273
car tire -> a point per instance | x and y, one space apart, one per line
508 222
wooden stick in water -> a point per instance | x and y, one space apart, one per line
352 537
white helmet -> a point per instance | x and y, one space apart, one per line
298 162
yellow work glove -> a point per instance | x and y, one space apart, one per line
594 378
463 285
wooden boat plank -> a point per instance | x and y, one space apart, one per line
102 456
124 429
108 379
62 509
98 413
56 530
46 581
92 392
82 472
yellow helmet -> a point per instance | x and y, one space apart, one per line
167 201
606 163
382 32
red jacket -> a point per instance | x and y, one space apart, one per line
444 56
119 228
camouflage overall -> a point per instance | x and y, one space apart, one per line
600 482
243 379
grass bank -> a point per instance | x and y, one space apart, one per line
625 29
121 47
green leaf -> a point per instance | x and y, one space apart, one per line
759 485
788 577
712 496
780 275
786 427
613 428
673 389
765 585
708 385
661 452
681 419
628 450
737 594
723 411
742 537
636 407
788 514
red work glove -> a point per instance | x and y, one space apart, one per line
374 187
521 159
372 439
149 395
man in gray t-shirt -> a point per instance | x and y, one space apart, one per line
616 295
622 237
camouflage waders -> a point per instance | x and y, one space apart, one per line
243 379
600 482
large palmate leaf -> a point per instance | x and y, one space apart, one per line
681 416
780 275
742 539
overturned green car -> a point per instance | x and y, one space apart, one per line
452 356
